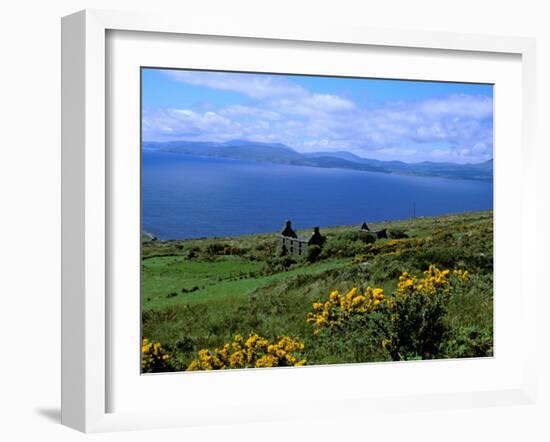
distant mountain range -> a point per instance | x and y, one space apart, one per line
280 154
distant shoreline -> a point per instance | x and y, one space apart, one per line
280 154
386 172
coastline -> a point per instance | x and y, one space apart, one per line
388 224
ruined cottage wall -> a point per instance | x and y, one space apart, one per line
293 246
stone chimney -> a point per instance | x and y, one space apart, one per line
316 238
287 231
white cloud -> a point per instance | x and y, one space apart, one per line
255 86
275 92
328 103
458 106
173 124
449 128
240 110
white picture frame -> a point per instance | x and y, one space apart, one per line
86 206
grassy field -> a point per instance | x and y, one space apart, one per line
198 294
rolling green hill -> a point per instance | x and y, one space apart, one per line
200 293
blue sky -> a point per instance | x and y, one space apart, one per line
384 119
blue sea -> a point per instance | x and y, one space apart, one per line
191 197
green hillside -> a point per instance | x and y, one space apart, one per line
199 294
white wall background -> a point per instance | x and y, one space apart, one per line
30 214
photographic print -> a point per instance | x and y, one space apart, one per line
292 220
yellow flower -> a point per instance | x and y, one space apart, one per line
255 351
337 309
236 359
153 357
266 361
462 275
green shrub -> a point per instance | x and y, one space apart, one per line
313 253
342 248
233 250
214 248
388 267
357 235
469 342
193 252
417 327
397 234
358 340
278 264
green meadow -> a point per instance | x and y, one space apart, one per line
201 293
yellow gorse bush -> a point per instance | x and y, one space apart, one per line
255 351
338 308
433 280
393 246
421 298
153 356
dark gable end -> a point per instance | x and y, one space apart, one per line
316 238
287 230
